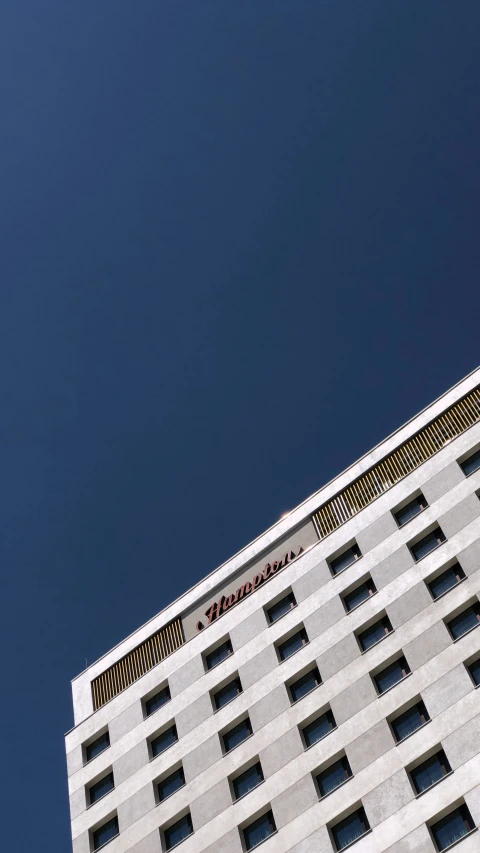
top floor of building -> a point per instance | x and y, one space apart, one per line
326 521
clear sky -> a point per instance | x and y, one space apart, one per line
239 246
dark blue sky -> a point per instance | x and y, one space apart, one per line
239 246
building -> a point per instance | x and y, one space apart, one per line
318 689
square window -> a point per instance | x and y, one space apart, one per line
334 776
178 831
237 735
464 622
430 771
358 595
339 564
410 510
408 722
247 781
446 581
474 670
105 833
391 675
226 694
349 829
305 684
471 464
158 701
293 644
376 632
429 542
163 741
100 788
319 728
166 787
97 746
219 654
452 827
281 608
259 830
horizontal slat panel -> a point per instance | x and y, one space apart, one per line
398 464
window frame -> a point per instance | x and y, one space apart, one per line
157 737
165 779
270 817
475 606
360 813
146 702
114 820
459 574
208 655
415 499
249 728
86 747
235 680
372 590
313 671
234 780
92 785
469 823
293 604
476 453
333 562
444 764
469 669
440 541
171 827
280 645
423 713
405 669
347 771
384 621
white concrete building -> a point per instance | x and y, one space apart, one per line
316 691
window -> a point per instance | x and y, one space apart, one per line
319 728
163 741
259 830
430 771
349 829
376 632
239 733
293 644
105 833
471 464
276 611
408 722
100 788
305 684
166 787
339 564
465 621
157 701
410 510
474 670
334 776
247 781
429 542
219 654
447 580
391 675
97 746
358 595
226 694
178 831
452 827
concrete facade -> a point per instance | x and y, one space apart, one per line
437 675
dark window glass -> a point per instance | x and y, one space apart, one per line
428 543
218 654
410 510
333 776
236 735
247 781
391 675
227 693
178 831
293 644
410 721
452 827
157 701
359 595
97 746
319 728
471 464
99 789
163 741
105 833
305 684
448 579
345 560
464 622
374 633
474 671
349 829
276 611
259 830
430 771
172 783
